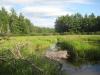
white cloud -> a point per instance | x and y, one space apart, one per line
42 12
43 22
28 2
45 11
53 1
44 15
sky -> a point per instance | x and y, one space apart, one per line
43 13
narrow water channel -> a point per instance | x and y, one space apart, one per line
80 69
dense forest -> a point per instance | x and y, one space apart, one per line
12 23
78 23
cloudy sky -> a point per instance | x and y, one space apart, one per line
44 12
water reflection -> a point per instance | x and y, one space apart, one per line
82 69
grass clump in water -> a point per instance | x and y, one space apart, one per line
82 49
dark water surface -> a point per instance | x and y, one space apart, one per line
84 69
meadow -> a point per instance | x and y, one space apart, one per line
24 55
85 47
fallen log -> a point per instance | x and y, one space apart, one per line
57 55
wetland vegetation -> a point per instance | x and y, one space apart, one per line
23 46
21 53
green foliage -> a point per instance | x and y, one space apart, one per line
33 51
61 24
77 23
13 24
82 47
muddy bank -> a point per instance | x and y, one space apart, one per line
57 55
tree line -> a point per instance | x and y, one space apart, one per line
12 23
77 23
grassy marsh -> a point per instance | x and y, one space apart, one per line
34 47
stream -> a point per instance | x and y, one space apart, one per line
80 69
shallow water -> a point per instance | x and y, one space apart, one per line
84 69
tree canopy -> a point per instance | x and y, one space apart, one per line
12 23
77 23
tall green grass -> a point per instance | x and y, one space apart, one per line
82 47
79 46
32 53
